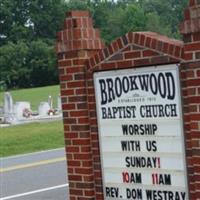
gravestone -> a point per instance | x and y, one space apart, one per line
50 102
22 110
8 103
43 109
59 104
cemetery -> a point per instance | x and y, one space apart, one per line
20 112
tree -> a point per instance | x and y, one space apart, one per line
46 17
42 62
13 58
13 17
29 27
170 13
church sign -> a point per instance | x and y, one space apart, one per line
140 130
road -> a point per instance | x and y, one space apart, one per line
37 176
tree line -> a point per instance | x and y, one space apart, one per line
28 31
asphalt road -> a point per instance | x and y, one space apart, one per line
37 176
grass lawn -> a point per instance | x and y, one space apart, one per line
30 138
34 95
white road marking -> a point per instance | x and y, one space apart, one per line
35 191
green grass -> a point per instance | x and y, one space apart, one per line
30 138
34 95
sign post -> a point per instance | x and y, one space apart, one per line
141 133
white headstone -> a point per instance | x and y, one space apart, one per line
59 103
8 103
43 109
50 102
22 110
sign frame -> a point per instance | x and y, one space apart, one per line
142 69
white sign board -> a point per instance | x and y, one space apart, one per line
141 137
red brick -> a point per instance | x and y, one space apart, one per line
81 106
67 92
119 42
195 117
72 149
78 14
69 120
153 43
110 49
192 2
76 192
71 135
74 69
82 156
123 64
137 38
130 37
66 127
195 99
188 56
160 60
132 54
142 40
83 171
191 91
110 65
187 14
68 106
86 149
87 163
142 62
192 108
171 49
80 128
115 46
148 42
89 192
80 91
178 52
196 37
77 99
149 53
79 113
66 78
76 84
192 46
64 63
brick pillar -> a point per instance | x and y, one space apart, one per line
190 71
75 44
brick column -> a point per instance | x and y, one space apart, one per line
190 71
75 44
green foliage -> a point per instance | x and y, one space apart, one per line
13 61
170 13
28 31
42 64
20 140
27 39
46 17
